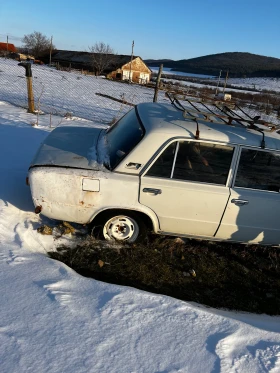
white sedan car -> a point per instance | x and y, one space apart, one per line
160 170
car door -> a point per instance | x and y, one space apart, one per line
186 185
253 211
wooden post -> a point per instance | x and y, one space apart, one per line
31 108
28 74
157 83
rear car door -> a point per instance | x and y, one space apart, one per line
186 185
253 211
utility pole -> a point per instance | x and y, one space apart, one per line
50 53
157 83
218 83
225 82
131 61
7 46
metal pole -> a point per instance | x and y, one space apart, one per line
157 83
131 61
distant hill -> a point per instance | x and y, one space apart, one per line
239 64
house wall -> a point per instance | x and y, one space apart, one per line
140 73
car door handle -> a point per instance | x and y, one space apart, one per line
152 191
239 202
133 166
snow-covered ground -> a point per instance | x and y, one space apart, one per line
169 71
54 320
61 92
260 85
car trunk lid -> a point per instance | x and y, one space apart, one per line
74 147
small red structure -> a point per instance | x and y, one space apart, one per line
7 47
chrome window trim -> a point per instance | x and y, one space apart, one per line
232 168
174 159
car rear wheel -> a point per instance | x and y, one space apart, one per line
126 227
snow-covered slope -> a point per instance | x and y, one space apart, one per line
62 92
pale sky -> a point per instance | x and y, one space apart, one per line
178 29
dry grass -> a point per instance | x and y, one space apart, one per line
219 275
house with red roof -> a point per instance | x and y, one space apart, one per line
7 47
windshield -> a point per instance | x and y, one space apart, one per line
123 136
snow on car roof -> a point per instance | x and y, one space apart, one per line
165 118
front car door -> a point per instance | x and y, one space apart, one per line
253 211
187 186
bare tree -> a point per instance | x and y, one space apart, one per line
102 55
37 43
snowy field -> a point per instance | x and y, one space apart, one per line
261 84
54 320
272 84
61 92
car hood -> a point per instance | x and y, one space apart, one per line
75 147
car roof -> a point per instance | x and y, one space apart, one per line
165 118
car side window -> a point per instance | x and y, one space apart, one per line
258 169
203 162
163 165
194 161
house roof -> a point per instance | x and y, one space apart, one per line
122 59
11 47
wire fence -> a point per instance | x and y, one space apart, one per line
75 94
72 93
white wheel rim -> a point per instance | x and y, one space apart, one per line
121 228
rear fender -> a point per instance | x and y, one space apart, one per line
147 214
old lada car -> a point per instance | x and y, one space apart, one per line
166 171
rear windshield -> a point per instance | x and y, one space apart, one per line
123 136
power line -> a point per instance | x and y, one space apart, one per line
13 37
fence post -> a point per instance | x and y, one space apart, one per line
157 83
28 74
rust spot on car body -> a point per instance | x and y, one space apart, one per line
38 209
